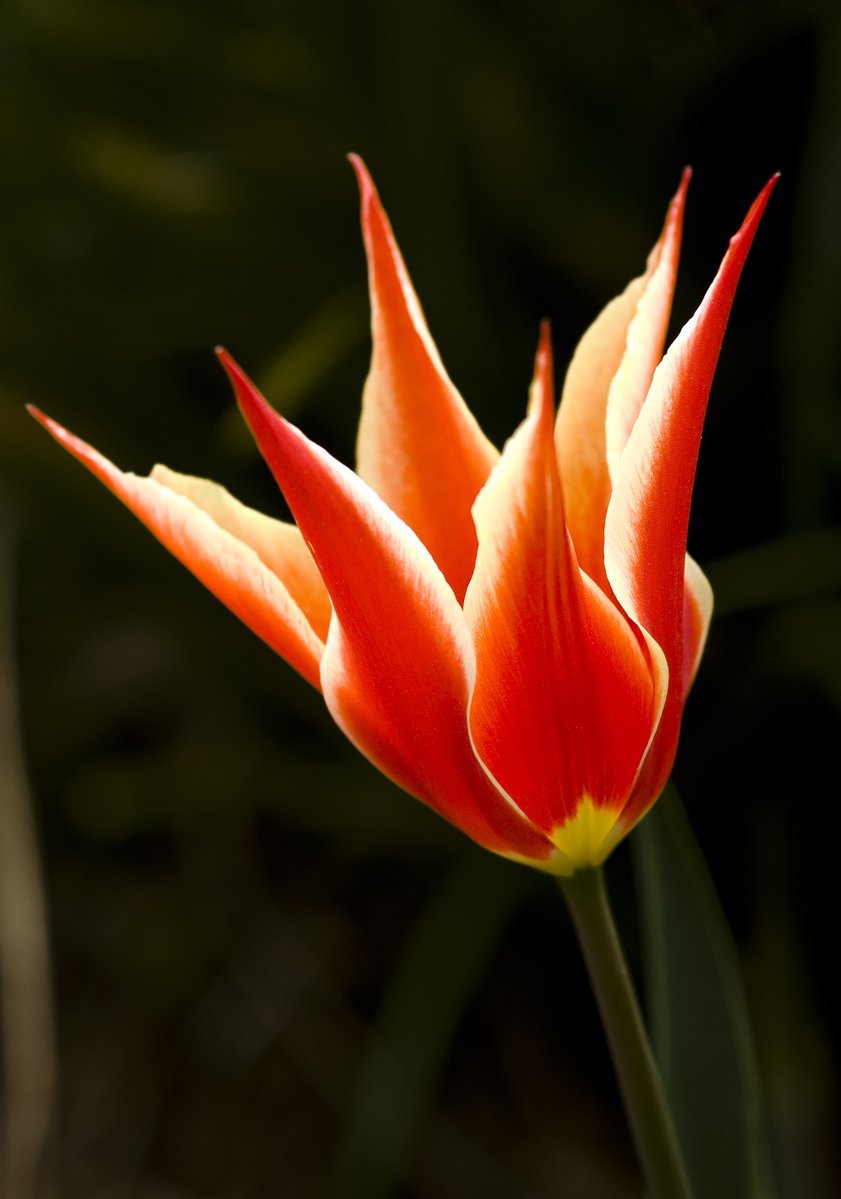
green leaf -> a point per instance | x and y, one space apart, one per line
697 1011
444 959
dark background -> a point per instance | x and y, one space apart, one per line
236 899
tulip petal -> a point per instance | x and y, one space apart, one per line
563 705
697 614
278 544
605 386
648 514
396 671
646 335
419 447
229 567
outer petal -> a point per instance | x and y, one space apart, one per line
563 706
278 544
228 566
398 663
648 516
697 614
605 386
419 447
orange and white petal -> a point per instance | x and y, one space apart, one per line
563 704
605 386
277 543
646 333
398 663
419 447
229 567
697 615
648 514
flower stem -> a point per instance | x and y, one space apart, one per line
639 1079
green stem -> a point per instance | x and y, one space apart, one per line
639 1080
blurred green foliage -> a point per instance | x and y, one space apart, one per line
231 887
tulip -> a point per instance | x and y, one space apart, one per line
509 637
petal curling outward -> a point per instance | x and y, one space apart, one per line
563 706
419 447
189 517
396 670
648 515
605 386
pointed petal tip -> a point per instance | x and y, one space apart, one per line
61 435
227 363
543 363
543 356
255 408
751 222
377 234
244 389
226 360
674 216
764 195
367 190
541 399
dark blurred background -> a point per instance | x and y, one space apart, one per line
272 973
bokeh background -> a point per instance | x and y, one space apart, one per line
269 969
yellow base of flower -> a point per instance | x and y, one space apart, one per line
583 842
587 837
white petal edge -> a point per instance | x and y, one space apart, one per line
278 544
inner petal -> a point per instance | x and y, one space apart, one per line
563 704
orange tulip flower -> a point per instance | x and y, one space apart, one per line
509 637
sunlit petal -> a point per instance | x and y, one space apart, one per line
228 566
398 664
419 447
278 544
648 515
510 639
556 661
604 389
646 335
697 614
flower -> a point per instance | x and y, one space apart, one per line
510 638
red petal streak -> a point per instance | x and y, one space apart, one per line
419 447
605 386
396 670
645 534
563 705
226 564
